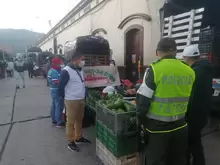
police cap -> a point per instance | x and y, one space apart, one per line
167 45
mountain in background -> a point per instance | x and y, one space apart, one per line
18 40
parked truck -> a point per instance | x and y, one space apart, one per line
39 60
186 28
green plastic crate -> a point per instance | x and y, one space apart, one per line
118 123
105 136
118 145
122 145
99 131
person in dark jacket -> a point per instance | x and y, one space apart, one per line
3 67
199 103
30 67
48 67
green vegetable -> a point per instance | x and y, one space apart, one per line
117 104
128 106
120 110
111 106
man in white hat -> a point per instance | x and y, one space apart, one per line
199 103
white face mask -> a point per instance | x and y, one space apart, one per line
82 64
112 65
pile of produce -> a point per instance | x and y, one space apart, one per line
129 89
116 103
133 102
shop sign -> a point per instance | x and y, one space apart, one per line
101 76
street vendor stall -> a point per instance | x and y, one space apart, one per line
115 115
116 124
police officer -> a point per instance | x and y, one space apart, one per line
162 101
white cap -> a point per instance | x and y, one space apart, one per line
191 51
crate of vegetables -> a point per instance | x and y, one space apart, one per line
118 115
92 98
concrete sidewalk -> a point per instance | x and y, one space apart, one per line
27 137
26 134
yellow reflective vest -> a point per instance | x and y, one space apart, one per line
174 81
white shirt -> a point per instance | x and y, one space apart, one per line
75 88
10 66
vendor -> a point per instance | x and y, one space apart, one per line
72 90
112 63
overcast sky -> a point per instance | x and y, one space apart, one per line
33 14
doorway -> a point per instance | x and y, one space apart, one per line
134 53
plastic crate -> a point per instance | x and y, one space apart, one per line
206 48
208 35
109 159
122 145
99 131
210 49
98 161
118 123
118 145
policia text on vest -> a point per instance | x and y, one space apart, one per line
175 106
177 80
173 88
162 102
165 129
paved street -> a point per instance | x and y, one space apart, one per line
27 137
26 134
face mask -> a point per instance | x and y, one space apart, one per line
62 66
82 64
112 65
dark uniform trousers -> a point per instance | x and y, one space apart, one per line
195 148
167 148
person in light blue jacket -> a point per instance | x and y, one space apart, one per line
57 103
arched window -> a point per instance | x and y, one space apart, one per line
51 50
60 49
134 16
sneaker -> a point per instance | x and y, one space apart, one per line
83 140
60 125
54 123
17 87
72 146
24 86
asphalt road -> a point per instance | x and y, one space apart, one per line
27 137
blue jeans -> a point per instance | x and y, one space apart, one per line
56 109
